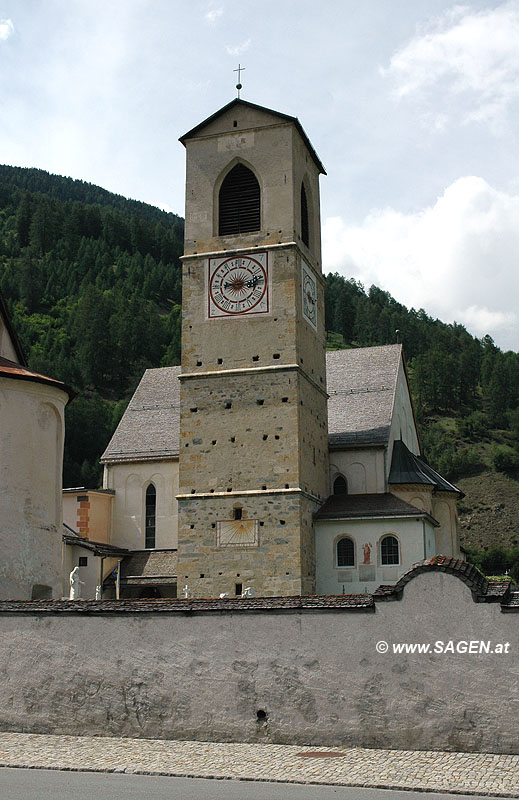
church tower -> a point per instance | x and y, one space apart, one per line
253 423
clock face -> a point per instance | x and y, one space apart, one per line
238 285
309 286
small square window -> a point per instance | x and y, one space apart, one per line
83 561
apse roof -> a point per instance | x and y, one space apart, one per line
361 384
238 102
11 369
408 468
369 506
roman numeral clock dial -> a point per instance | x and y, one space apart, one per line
238 285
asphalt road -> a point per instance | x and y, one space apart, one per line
36 784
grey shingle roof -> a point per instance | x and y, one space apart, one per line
358 506
149 428
361 383
149 565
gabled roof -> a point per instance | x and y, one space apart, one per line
408 468
369 506
245 104
6 317
150 426
361 383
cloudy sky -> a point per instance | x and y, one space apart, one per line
412 105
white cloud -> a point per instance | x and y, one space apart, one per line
239 49
458 258
213 13
470 58
6 29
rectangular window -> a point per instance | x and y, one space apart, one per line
83 561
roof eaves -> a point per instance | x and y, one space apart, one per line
286 117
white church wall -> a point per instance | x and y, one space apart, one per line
31 453
316 673
403 424
416 541
7 349
447 535
130 481
362 468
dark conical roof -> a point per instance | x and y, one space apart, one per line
408 468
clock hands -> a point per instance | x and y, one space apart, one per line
240 283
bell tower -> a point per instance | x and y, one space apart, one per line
253 424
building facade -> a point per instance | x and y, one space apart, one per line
263 461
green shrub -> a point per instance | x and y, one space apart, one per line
473 426
506 459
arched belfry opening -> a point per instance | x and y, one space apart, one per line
239 202
305 230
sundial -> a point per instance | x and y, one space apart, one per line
237 533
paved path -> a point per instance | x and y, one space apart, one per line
462 773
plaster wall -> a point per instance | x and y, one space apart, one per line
317 674
130 482
445 510
91 517
402 423
364 469
442 506
7 349
31 452
415 536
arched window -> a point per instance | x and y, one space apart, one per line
345 552
305 235
239 202
339 485
151 514
389 551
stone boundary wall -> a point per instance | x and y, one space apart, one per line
282 670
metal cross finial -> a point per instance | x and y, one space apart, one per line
239 71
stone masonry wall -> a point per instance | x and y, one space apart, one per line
316 673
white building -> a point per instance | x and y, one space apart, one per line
31 455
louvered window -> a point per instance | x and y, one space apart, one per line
239 202
151 512
345 552
304 217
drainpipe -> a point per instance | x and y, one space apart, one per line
424 540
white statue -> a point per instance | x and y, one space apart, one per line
186 591
99 592
223 594
75 584
248 592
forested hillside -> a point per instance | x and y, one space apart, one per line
93 282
